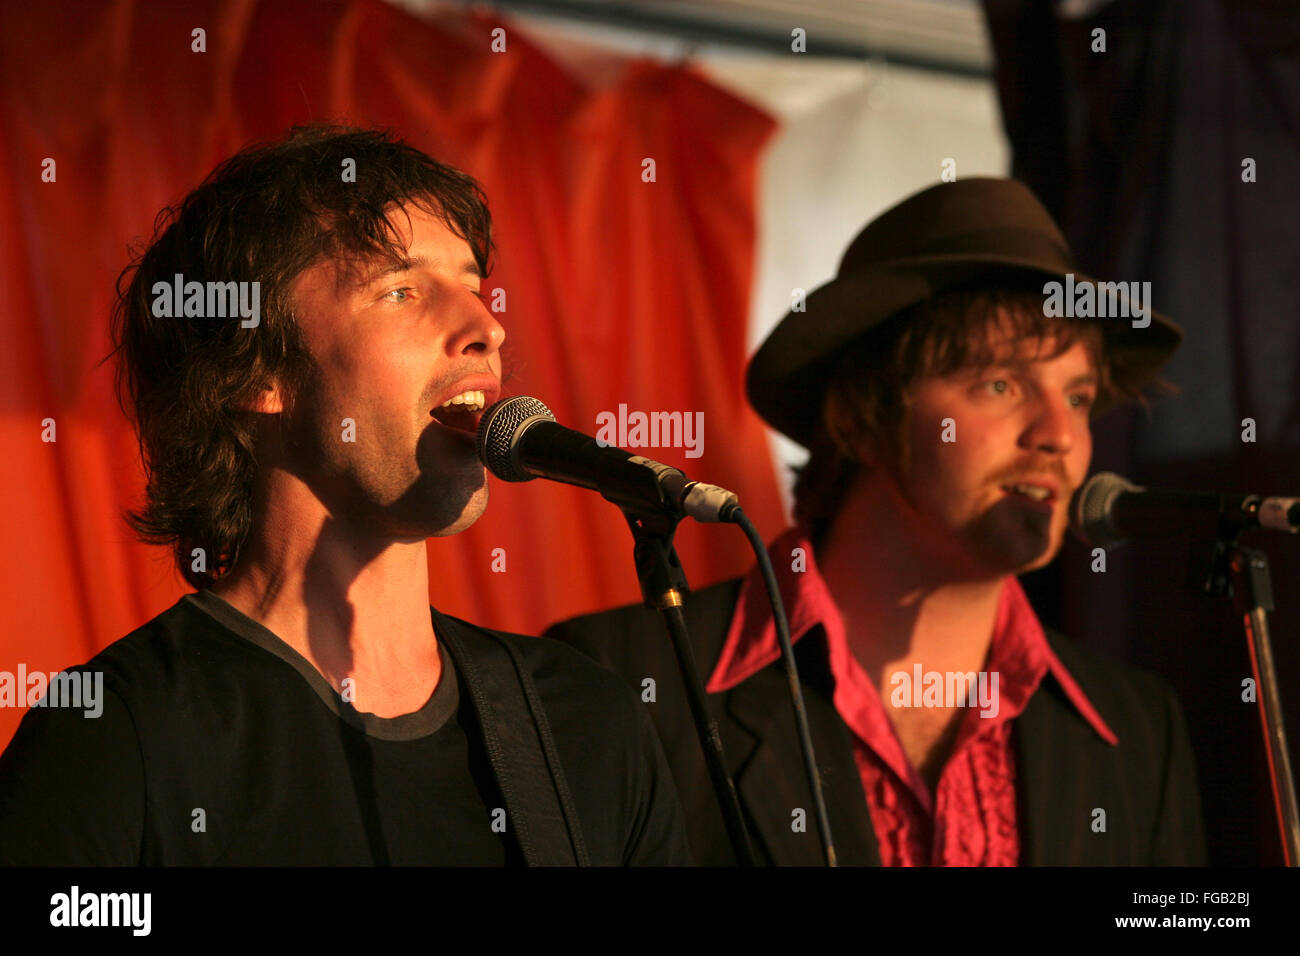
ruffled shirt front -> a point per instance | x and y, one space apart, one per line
970 819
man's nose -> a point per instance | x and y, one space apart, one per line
1050 428
477 332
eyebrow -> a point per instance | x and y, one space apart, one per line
406 263
1021 365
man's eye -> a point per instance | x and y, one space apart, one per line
998 386
1082 400
401 294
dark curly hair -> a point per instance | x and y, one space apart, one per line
264 215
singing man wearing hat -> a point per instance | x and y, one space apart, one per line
947 412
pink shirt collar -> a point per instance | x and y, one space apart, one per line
1019 651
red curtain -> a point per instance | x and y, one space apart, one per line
619 291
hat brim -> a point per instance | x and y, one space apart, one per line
787 375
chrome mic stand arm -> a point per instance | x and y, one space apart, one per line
1243 574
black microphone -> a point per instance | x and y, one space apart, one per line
519 440
1108 510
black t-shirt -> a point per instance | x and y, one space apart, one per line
220 744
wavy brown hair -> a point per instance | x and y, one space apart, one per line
264 215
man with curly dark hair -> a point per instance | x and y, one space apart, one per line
305 354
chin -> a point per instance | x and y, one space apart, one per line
1040 562
1014 555
435 505
470 513
1044 557
1015 543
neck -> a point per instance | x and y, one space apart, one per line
902 600
353 603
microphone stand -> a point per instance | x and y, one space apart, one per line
663 584
1242 574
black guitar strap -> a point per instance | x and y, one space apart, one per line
539 807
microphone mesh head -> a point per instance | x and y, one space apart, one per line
1090 512
500 430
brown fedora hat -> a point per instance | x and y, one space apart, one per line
973 231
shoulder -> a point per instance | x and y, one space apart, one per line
147 687
139 667
605 742
1140 707
707 602
1150 776
633 636
572 686
182 633
181 657
558 669
1110 684
72 781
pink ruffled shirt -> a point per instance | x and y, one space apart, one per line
970 819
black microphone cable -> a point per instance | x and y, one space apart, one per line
500 449
738 517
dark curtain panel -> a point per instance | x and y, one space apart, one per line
1140 152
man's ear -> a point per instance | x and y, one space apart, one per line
269 400
850 437
866 452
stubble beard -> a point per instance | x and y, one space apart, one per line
401 486
1000 540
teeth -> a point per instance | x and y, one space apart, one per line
1031 491
473 401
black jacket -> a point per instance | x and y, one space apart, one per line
1146 785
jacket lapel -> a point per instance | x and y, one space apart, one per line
768 768
767 783
1055 765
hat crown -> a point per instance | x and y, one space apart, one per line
978 231
978 216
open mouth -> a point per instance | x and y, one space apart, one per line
1031 493
461 413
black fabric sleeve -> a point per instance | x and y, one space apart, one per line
1179 837
658 836
72 789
